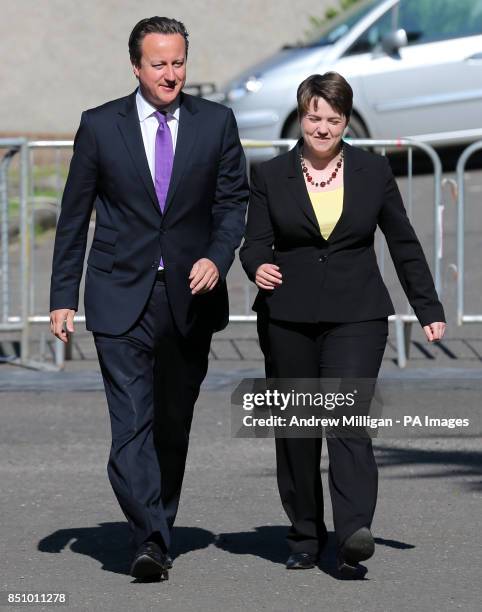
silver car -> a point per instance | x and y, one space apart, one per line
415 67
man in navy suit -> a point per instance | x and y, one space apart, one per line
167 174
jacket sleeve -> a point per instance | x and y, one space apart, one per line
407 254
71 235
230 201
257 248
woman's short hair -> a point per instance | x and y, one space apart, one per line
332 87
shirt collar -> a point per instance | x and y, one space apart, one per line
145 108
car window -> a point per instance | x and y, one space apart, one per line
371 38
341 25
432 20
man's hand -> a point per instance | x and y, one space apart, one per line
57 320
434 331
268 276
204 276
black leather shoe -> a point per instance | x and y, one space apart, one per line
357 547
301 560
150 562
348 570
168 561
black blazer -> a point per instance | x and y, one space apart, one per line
334 280
204 216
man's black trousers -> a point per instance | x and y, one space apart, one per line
152 377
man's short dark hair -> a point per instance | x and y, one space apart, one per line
332 87
153 25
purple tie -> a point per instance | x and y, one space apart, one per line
164 158
163 161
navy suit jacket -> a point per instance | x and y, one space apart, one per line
204 216
334 280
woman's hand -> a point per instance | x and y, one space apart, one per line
434 331
268 276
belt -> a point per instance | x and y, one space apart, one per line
160 276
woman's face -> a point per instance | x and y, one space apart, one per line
322 128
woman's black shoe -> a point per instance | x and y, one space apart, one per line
168 561
301 560
358 547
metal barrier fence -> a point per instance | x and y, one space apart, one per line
24 316
27 317
404 321
15 147
462 316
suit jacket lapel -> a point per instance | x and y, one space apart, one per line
351 189
297 186
186 137
131 132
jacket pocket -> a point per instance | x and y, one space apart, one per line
105 235
101 259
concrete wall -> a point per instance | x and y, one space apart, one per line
60 57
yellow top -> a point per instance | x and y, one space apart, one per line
328 206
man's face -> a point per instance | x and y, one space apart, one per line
162 72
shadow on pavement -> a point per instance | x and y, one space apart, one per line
268 542
328 560
110 543
449 463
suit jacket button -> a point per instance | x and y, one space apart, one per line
323 258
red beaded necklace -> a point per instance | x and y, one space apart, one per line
325 183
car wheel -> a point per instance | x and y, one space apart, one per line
356 128
293 130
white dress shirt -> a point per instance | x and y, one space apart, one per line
149 125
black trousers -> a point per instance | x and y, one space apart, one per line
324 350
152 377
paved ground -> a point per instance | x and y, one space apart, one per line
63 531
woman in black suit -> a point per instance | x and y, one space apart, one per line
323 306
